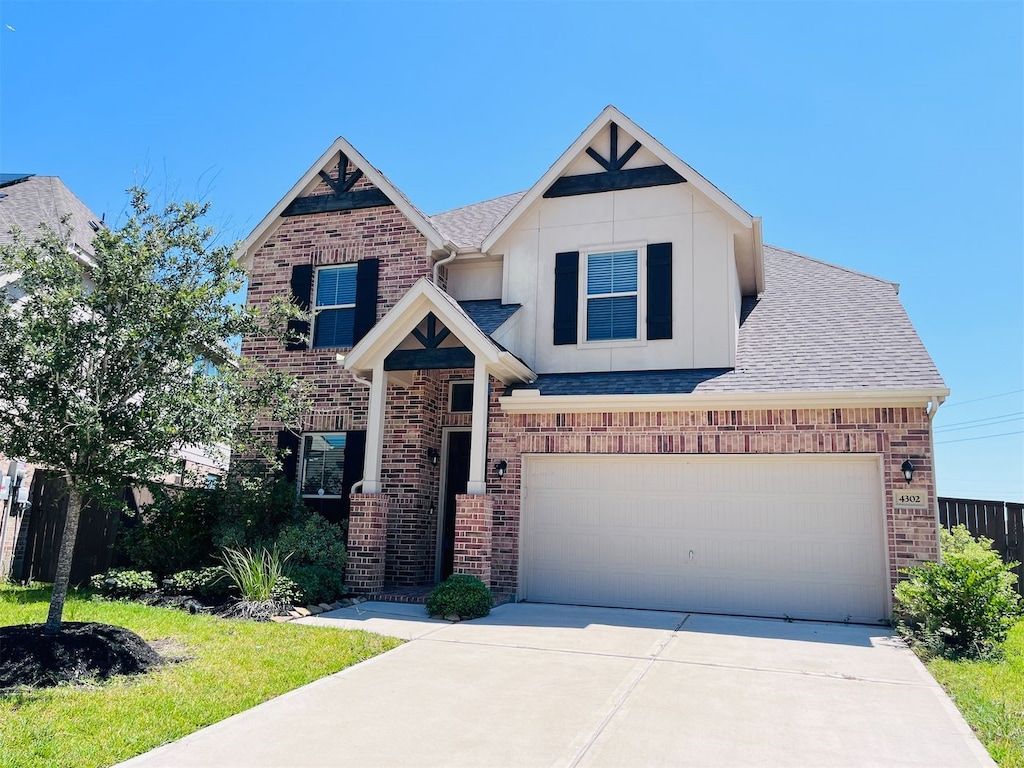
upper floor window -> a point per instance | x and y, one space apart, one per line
612 296
335 306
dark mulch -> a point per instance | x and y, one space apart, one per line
81 651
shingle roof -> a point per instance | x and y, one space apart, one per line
44 199
469 225
489 314
816 327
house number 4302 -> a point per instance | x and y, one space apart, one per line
910 500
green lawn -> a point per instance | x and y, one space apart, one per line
991 696
233 666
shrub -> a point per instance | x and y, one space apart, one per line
172 532
209 583
963 606
461 595
257 575
123 583
252 509
317 557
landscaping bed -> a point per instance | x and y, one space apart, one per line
224 667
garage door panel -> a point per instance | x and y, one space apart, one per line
754 535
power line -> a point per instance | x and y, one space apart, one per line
990 422
982 437
990 397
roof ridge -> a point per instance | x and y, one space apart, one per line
834 266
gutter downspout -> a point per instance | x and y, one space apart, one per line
452 253
340 360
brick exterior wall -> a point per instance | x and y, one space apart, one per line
367 542
392 537
412 423
895 434
473 526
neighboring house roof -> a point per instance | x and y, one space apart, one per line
29 201
469 225
816 327
488 314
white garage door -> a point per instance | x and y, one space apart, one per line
748 535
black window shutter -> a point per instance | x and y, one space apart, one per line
567 267
355 453
302 288
659 291
366 298
288 449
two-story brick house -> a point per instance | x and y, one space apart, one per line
605 390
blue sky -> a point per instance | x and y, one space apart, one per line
885 137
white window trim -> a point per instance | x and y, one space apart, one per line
641 295
302 466
317 309
451 388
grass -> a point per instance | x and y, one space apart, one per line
991 697
233 665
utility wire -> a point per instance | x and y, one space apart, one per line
988 423
982 437
979 399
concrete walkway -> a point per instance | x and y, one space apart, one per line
553 685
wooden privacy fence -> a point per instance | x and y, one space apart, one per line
1001 521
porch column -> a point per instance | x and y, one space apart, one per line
375 430
478 441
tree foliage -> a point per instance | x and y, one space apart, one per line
102 357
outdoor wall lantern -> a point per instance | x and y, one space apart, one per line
501 467
908 470
434 456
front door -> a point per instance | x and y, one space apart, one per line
456 478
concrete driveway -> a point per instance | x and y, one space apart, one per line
553 685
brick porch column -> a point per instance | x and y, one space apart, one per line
367 542
473 521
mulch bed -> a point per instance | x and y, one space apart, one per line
80 652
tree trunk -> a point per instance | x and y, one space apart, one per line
64 558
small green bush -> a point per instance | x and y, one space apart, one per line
257 575
172 532
461 595
209 583
963 606
317 557
125 583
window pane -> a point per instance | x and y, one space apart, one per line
336 285
462 397
333 328
611 318
611 272
323 464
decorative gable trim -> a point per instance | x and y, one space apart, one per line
612 115
380 345
614 176
342 198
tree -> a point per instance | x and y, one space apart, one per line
102 372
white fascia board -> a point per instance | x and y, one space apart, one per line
758 255
612 115
531 401
266 227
